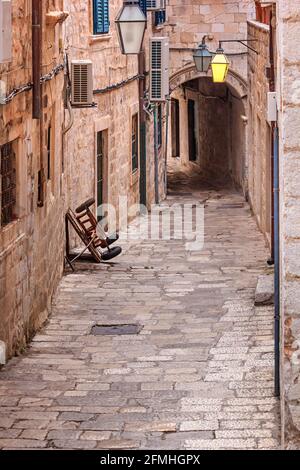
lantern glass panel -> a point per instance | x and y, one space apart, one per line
220 67
131 25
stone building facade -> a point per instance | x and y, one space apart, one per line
259 131
250 164
55 169
33 185
219 111
222 130
116 94
288 77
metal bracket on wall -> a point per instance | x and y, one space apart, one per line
240 41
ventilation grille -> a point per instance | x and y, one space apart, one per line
159 68
153 5
82 90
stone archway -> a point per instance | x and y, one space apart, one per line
190 72
220 124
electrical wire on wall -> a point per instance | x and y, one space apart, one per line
5 99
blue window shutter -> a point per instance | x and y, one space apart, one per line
143 5
101 16
106 16
160 17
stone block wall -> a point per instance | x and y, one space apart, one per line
189 20
113 114
288 79
259 129
32 245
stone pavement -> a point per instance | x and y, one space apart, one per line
198 376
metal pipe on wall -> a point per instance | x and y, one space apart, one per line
272 88
142 119
275 248
36 57
156 170
276 261
167 142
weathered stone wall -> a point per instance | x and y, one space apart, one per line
219 130
31 247
221 141
288 77
259 130
189 20
237 140
113 114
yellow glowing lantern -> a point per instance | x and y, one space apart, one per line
219 66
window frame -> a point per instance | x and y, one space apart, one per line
159 17
135 164
14 216
100 30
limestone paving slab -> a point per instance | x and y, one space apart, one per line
198 376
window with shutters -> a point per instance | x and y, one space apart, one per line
135 143
8 184
159 17
143 6
100 16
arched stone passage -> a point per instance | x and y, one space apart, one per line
234 79
210 128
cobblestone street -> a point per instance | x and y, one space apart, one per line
199 375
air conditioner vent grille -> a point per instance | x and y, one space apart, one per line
159 69
154 5
82 90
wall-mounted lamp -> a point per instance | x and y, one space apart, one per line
131 25
219 66
202 57
220 63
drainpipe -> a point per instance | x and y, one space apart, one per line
167 142
276 262
36 12
36 57
142 119
275 249
272 88
155 156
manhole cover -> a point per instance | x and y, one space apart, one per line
132 329
238 205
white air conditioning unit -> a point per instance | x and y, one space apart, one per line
159 68
82 83
5 31
154 5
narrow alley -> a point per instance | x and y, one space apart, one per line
199 374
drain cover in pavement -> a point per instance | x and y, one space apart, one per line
131 329
238 205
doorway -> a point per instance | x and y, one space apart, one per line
175 129
192 131
101 173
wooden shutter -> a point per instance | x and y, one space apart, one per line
101 16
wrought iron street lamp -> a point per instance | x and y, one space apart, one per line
220 63
202 57
219 66
131 25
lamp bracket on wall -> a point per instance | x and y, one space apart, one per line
240 41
